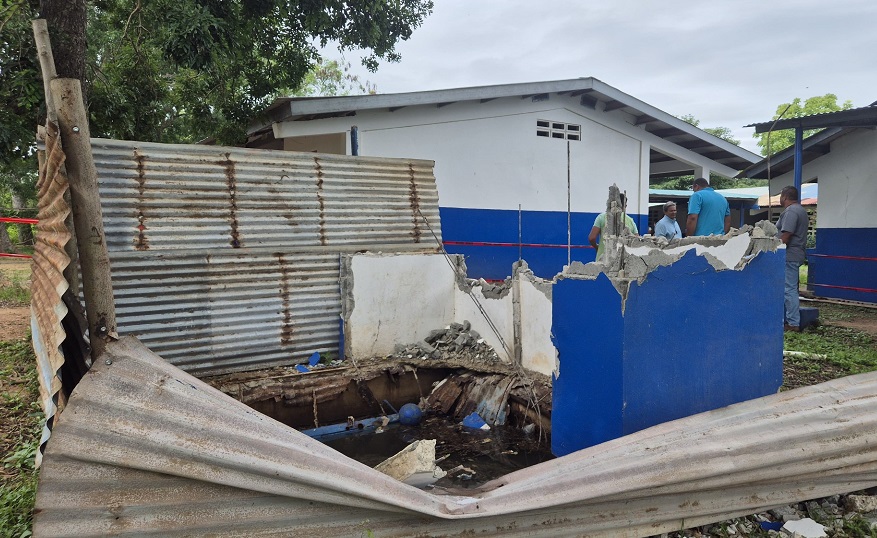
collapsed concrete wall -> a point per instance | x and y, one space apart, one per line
390 300
659 331
655 331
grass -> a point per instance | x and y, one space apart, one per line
14 286
19 436
847 350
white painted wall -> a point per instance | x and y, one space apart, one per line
500 311
538 354
399 299
847 181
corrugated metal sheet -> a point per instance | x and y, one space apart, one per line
149 449
227 259
47 280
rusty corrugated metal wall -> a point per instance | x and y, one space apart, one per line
227 259
47 279
146 449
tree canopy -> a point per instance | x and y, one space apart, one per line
183 70
780 140
722 132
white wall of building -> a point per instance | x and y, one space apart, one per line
488 155
847 181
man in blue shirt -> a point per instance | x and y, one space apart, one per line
708 211
667 227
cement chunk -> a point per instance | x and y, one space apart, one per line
414 464
806 528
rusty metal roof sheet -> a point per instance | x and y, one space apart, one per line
227 259
47 279
148 449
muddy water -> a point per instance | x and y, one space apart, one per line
490 454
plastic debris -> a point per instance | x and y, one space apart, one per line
475 422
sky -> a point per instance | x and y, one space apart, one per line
728 63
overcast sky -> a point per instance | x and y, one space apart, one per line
727 62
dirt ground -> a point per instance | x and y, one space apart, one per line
14 317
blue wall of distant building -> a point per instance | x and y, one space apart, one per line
490 240
844 264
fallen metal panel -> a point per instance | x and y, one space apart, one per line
47 280
149 449
227 259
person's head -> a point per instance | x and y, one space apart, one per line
670 210
788 196
700 183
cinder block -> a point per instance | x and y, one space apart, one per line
809 316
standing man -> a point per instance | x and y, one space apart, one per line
792 230
667 227
708 211
600 223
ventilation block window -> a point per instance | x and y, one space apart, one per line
556 129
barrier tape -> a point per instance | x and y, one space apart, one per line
16 220
515 245
866 290
861 258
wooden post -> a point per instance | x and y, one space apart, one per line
47 66
87 214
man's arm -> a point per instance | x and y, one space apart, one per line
785 237
727 223
690 224
592 237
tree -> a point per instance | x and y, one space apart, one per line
331 77
771 143
183 70
722 132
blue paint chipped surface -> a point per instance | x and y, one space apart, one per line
691 339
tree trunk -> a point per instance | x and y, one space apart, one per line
66 21
5 243
25 232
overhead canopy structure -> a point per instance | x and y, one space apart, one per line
834 125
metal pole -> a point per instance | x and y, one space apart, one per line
568 209
354 140
87 215
799 157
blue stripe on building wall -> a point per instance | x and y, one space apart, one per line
844 264
489 239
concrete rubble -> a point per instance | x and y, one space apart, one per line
456 341
838 516
415 464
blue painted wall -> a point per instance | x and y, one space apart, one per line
844 264
691 339
488 238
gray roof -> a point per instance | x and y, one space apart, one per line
834 125
592 93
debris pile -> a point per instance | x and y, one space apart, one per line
838 516
456 341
